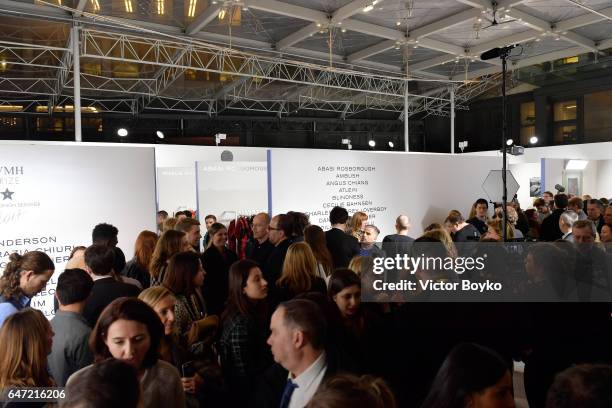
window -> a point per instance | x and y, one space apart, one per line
527 122
565 122
598 116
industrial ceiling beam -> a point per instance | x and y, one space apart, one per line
202 20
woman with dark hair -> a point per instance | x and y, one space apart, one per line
138 267
171 242
25 340
217 259
361 326
244 352
472 376
130 331
184 278
315 237
24 276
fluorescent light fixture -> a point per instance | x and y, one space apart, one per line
128 6
576 164
533 139
122 132
509 142
222 13
372 142
192 8
160 134
95 5
346 141
161 7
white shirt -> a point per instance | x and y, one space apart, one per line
308 382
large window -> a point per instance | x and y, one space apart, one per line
598 116
527 122
565 122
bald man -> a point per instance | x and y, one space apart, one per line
402 226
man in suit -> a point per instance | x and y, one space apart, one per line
550 230
566 221
343 247
99 261
279 233
298 337
594 213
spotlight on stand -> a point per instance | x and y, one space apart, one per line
391 144
160 134
122 132
533 140
509 142
372 143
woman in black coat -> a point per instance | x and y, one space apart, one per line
216 261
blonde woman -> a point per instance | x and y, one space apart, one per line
495 230
357 225
299 273
171 242
25 340
443 236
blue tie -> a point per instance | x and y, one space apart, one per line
287 393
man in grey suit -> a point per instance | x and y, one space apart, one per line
70 351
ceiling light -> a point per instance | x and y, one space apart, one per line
222 13
509 142
343 30
391 144
576 164
416 46
192 8
245 7
213 2
350 147
122 132
398 23
368 8
371 142
319 25
160 134
533 139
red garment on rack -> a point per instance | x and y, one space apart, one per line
238 235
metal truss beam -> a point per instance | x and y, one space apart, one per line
63 72
139 50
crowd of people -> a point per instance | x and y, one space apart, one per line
284 325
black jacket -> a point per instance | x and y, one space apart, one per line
550 230
104 291
343 247
134 271
216 282
274 267
259 253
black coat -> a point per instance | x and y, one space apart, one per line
216 282
274 267
343 247
259 253
104 291
134 271
550 230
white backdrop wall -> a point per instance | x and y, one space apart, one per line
59 193
604 179
176 188
423 186
523 172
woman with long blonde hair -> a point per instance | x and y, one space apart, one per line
299 273
171 242
25 340
443 236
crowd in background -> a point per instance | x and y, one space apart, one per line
283 325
